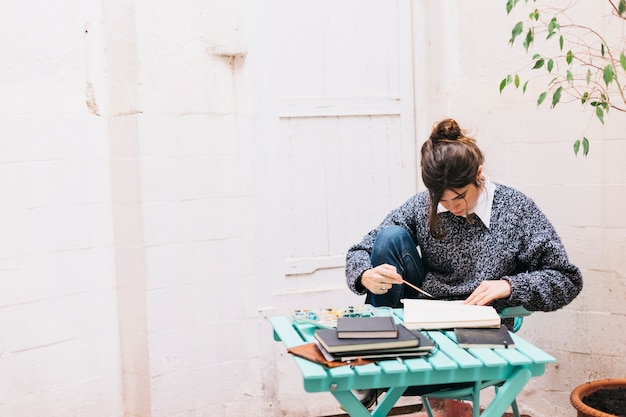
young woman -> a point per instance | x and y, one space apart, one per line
466 238
478 241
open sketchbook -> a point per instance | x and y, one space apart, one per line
439 314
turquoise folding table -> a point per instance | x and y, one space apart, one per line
448 364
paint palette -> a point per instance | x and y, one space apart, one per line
326 318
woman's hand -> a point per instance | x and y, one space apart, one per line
489 291
379 280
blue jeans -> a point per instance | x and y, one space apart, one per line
394 246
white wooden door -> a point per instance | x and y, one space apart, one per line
346 118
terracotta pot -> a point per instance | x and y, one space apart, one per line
588 388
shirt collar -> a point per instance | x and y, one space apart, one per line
483 205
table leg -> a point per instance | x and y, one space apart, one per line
354 408
507 393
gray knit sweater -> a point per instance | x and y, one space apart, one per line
521 246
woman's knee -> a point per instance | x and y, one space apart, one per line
391 234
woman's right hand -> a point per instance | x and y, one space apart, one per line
379 280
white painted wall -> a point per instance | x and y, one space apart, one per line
141 221
531 149
59 346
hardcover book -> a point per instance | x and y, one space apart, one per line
366 327
328 340
424 347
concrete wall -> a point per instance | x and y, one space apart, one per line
59 345
139 215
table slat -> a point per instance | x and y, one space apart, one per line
440 361
488 357
514 356
418 365
286 332
537 355
453 351
392 366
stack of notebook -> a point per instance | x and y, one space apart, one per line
371 338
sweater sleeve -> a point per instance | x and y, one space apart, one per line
550 281
358 256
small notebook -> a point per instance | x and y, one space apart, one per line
366 327
484 338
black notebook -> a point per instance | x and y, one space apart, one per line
424 347
484 338
328 340
366 327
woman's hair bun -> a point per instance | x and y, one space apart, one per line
447 129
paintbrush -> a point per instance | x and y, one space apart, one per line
416 288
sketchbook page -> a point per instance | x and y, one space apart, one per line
439 314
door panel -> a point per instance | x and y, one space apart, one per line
345 108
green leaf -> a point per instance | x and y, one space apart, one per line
584 98
516 82
576 147
536 56
550 64
517 29
609 74
524 87
585 146
569 57
600 113
539 63
588 76
553 26
529 39
561 42
621 8
502 85
541 98
622 59
556 97
534 15
570 77
510 4
602 49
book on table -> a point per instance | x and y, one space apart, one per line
328 339
492 338
440 314
366 327
425 347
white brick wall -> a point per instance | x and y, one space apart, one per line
58 316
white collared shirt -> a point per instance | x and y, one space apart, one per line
483 206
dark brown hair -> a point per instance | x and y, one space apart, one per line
450 159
